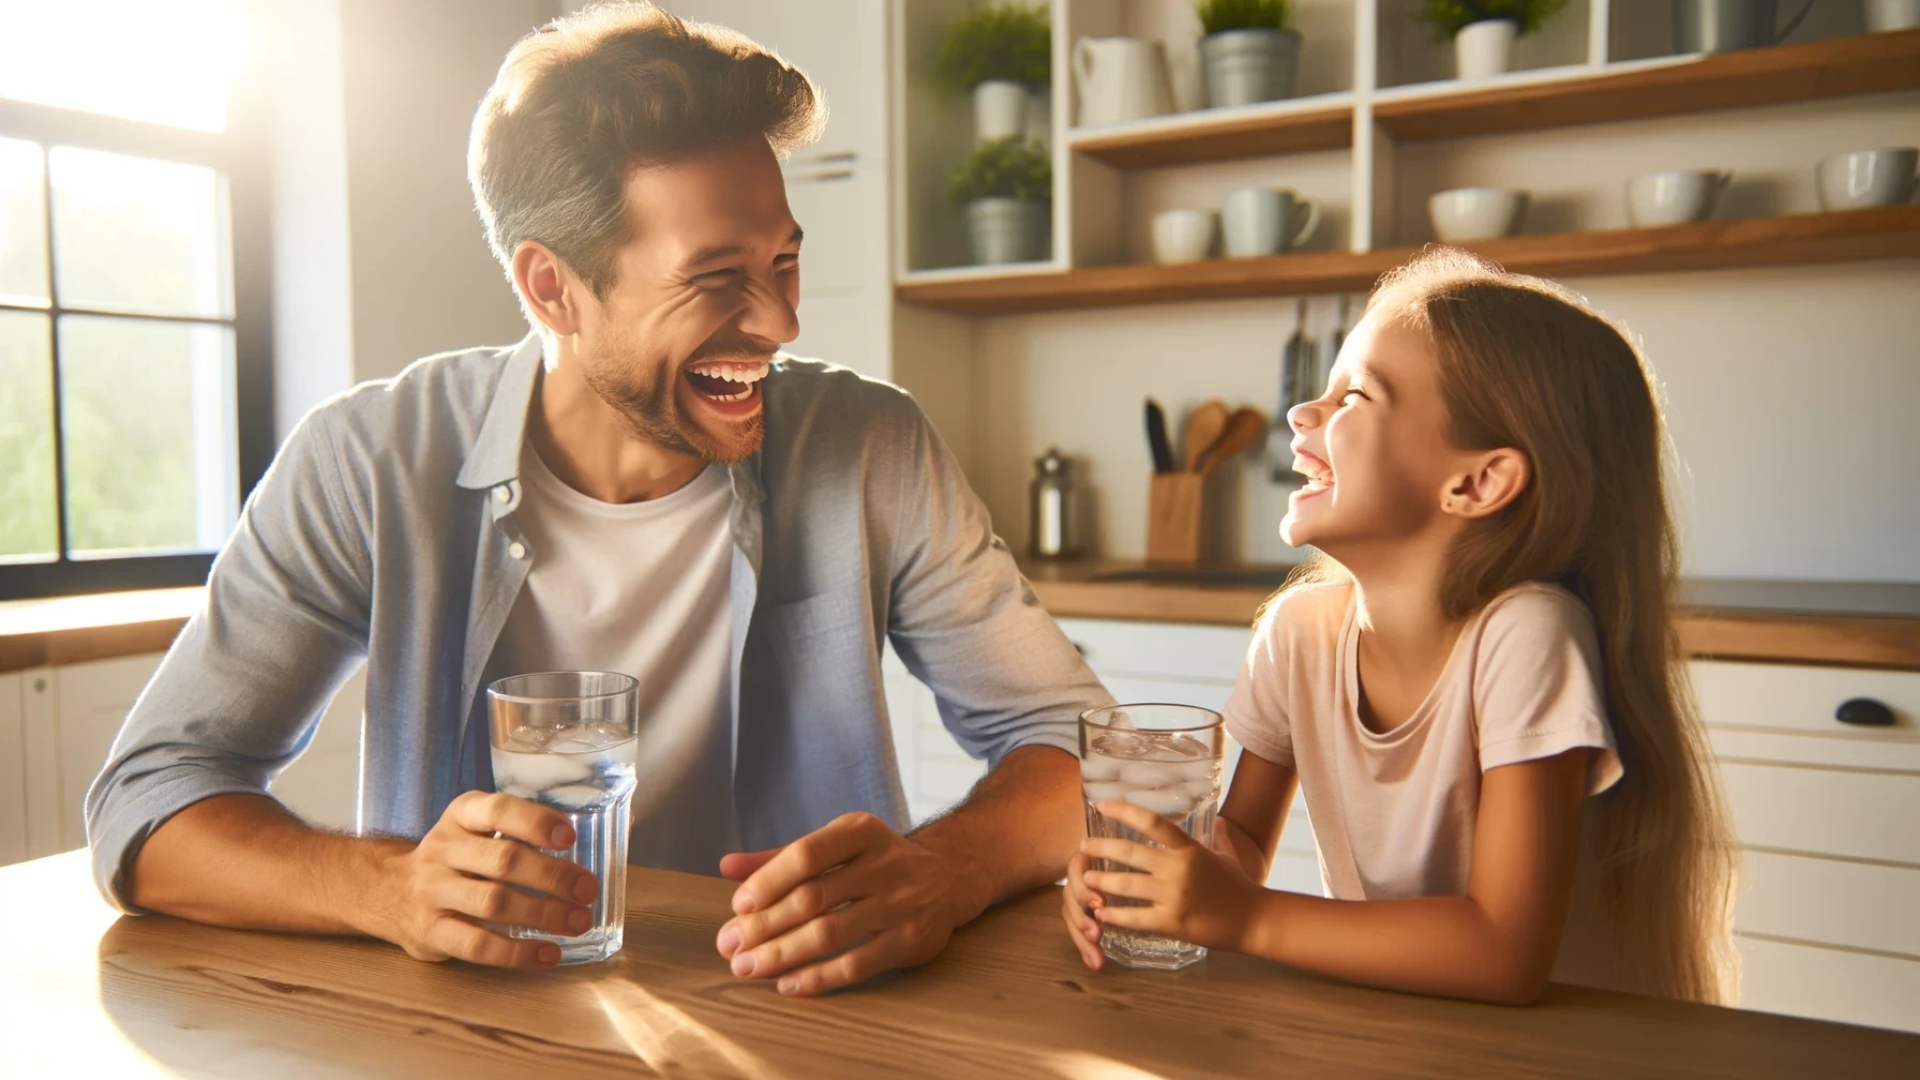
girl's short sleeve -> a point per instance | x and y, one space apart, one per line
1537 685
1256 714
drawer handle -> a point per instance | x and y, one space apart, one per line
1865 712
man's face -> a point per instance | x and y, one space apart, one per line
703 294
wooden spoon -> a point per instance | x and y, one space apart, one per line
1242 432
1204 428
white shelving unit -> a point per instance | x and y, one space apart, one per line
1364 63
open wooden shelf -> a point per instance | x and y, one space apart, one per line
1837 67
1281 127
1883 232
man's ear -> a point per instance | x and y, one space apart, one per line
1494 480
551 291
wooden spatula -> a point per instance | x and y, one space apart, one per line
1204 428
1241 434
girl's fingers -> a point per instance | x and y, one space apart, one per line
1159 829
1151 919
1136 886
1125 852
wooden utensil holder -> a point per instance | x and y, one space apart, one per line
1176 517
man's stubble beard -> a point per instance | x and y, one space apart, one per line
650 407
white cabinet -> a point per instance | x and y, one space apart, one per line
13 770
1828 921
838 188
57 725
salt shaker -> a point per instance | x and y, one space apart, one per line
1054 521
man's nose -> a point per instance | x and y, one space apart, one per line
770 314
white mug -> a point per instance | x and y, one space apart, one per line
1476 213
1862 178
1182 236
1120 79
1674 198
1266 221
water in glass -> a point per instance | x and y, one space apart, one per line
585 771
1174 773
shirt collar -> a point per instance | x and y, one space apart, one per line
495 458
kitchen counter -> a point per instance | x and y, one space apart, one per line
83 993
1847 623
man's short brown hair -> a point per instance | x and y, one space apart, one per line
582 101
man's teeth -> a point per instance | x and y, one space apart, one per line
745 374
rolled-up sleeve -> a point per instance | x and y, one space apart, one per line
966 622
241 691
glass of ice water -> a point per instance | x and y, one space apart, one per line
1164 758
566 739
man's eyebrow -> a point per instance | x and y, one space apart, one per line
734 251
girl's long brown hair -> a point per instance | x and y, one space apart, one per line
1525 363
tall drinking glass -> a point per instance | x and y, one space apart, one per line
1164 758
566 739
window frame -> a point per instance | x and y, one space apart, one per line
241 155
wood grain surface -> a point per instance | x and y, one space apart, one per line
1748 78
84 994
1880 232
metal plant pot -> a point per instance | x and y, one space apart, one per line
1247 66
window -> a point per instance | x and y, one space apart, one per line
135 396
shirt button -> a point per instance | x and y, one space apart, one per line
503 493
517 549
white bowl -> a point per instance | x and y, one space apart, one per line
1183 236
1478 213
1673 198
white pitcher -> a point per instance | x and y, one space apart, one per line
1120 79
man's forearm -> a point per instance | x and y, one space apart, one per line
1016 830
244 861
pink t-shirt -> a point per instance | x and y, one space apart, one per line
1394 813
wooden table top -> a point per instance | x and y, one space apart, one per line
83 993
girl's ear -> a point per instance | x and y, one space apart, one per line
1495 479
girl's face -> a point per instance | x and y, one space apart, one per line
1373 447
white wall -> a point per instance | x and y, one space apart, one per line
1791 393
423 279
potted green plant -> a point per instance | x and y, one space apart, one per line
1005 186
1000 54
1249 53
1483 31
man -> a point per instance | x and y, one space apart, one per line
638 487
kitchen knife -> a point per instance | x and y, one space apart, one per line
1157 443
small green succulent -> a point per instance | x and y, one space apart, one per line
1009 41
1009 168
1218 16
1449 17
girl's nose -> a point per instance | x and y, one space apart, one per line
1304 417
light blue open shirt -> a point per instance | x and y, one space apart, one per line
386 530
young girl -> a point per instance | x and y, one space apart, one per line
1475 683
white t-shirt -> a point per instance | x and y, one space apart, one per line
643 589
1394 813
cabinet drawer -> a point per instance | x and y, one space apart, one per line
1863 815
1831 902
1167 650
1829 984
1798 699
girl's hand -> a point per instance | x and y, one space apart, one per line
1192 894
1076 901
